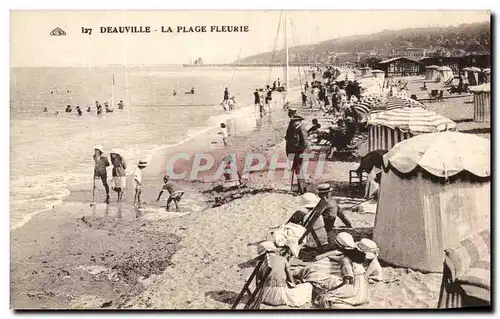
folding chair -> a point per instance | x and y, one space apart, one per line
260 274
309 223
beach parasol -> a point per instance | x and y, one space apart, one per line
414 120
442 154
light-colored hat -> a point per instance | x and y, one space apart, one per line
345 241
99 147
291 109
369 247
324 188
265 247
142 163
309 200
297 118
116 151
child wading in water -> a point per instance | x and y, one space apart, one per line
119 181
138 181
174 191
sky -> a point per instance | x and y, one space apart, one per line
32 45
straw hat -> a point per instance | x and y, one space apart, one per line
309 200
324 188
369 247
142 163
266 246
345 241
297 118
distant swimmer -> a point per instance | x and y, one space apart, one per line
98 107
45 110
80 113
174 92
120 105
89 109
192 90
56 113
106 106
68 109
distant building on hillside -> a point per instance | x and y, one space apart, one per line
411 53
399 66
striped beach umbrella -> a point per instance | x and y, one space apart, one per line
415 120
388 128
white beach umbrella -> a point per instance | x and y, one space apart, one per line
442 154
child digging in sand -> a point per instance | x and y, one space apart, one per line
174 191
138 181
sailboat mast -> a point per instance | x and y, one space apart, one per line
286 49
113 91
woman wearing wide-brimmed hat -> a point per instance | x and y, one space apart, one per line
119 181
101 163
353 291
325 272
279 288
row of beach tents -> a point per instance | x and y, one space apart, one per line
445 75
435 183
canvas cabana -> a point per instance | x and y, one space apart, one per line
434 192
482 102
365 71
431 72
445 73
379 75
402 120
472 75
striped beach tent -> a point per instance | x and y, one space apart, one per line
482 102
388 128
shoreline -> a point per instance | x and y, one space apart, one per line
154 154
88 240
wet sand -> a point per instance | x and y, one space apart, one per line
199 258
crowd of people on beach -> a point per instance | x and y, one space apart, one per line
119 178
339 278
99 109
263 97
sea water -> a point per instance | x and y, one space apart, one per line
49 152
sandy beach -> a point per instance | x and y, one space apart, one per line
119 257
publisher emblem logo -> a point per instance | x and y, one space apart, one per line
57 32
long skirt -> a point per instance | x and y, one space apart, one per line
119 181
285 296
347 295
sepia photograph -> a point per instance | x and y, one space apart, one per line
250 160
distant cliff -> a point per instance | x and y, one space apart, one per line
464 39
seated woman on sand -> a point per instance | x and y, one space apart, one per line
279 288
353 291
324 273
